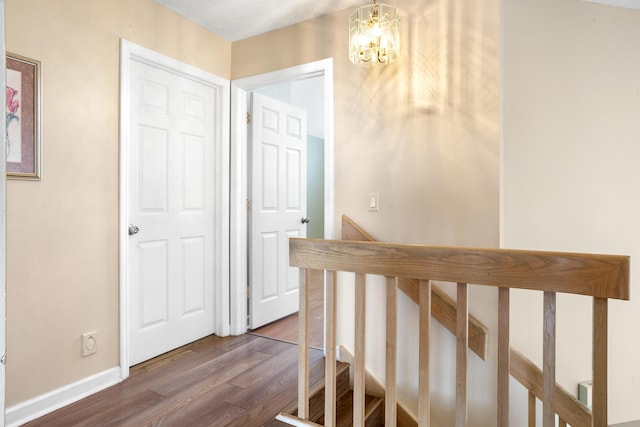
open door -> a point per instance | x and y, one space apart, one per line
278 206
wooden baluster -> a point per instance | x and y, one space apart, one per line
330 350
303 345
462 339
600 339
359 359
532 409
549 361
562 423
424 394
504 353
391 394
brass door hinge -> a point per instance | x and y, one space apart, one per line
248 205
248 118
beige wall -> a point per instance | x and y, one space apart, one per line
62 264
571 144
423 133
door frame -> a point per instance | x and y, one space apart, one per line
130 51
239 248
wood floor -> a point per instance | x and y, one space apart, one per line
232 381
287 329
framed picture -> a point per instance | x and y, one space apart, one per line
22 97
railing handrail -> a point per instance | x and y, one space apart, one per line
443 307
601 276
522 369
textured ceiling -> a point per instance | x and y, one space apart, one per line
239 19
631 4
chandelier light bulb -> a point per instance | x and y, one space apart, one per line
373 34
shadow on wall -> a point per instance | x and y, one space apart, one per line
433 111
424 134
451 62
448 64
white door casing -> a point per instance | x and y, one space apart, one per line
278 206
174 188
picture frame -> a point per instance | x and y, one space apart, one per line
22 100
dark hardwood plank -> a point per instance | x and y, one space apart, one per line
190 401
91 411
256 385
286 329
231 381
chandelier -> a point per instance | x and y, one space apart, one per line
373 34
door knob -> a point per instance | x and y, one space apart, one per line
305 220
133 229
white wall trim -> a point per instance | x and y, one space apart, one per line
125 54
130 51
41 405
238 196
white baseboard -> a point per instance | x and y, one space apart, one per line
38 406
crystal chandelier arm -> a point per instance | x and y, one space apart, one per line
373 34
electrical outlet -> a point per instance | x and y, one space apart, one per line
89 343
585 393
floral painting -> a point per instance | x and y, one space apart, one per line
22 102
13 134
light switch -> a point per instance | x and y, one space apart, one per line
374 202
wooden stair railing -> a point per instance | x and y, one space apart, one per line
599 276
443 308
568 408
344 396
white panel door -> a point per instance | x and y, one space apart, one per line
171 183
278 206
